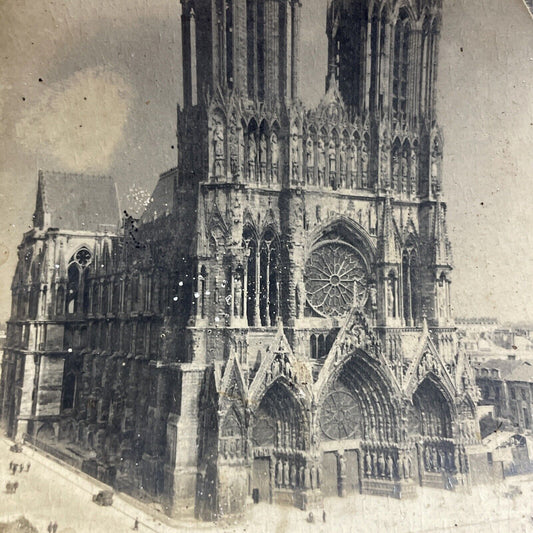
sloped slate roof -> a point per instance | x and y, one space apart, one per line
522 373
78 201
162 200
505 366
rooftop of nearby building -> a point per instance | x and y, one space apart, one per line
504 367
78 202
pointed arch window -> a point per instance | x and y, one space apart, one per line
75 279
400 66
410 286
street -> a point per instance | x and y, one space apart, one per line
54 492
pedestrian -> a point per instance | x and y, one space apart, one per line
14 469
310 518
9 488
28 467
21 467
50 527
136 524
54 527
15 486
324 515
11 465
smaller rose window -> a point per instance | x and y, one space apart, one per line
83 257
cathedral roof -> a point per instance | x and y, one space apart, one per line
77 202
162 200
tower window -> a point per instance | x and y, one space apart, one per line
400 67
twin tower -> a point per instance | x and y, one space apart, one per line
277 325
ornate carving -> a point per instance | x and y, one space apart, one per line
338 416
335 279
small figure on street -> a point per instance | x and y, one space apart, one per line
136 524
324 515
14 469
310 518
50 527
11 465
9 487
15 486
21 467
54 527
28 467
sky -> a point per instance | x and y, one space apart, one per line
93 86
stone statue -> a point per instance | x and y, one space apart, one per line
321 161
274 150
352 166
309 159
332 158
295 152
342 466
293 476
413 172
405 172
381 465
395 170
218 141
342 164
252 154
237 295
234 147
368 464
300 297
390 466
279 473
286 474
364 165
391 311
262 156
373 296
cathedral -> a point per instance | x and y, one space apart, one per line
276 326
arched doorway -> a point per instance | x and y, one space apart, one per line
358 426
433 423
281 469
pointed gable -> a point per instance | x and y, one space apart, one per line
76 202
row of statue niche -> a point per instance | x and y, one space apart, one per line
232 447
379 465
467 431
427 364
281 366
437 459
404 171
262 154
343 162
289 475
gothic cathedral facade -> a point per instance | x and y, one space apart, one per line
277 325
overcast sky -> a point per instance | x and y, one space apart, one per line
111 72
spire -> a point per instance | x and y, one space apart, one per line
388 251
441 248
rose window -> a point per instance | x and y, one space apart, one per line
335 279
83 257
339 415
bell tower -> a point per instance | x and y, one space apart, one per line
246 46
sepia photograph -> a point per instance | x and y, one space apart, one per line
265 266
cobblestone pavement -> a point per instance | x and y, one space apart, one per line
52 492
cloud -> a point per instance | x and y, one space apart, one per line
79 122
